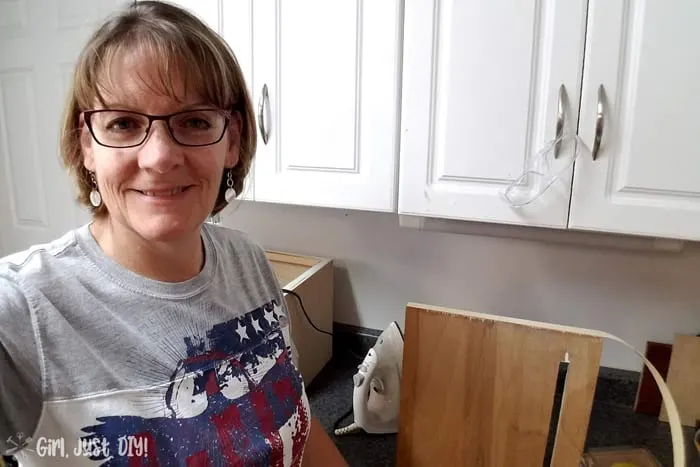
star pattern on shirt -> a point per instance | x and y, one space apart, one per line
256 326
277 309
282 318
270 316
242 332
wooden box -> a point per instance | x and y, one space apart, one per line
312 279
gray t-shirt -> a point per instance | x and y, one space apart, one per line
97 362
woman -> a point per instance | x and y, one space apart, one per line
149 337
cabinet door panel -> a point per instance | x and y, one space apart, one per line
645 180
232 20
480 98
236 25
331 71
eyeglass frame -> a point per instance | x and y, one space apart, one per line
87 116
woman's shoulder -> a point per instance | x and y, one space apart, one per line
240 242
22 272
239 251
37 260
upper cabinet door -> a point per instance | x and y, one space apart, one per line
646 176
481 83
236 27
233 20
326 76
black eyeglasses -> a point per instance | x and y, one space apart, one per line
127 129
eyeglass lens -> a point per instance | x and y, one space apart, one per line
118 128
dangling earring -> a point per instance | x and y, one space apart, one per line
95 197
230 193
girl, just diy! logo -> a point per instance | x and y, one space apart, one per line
126 446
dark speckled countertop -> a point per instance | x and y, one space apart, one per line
613 422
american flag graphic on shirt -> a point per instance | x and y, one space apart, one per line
235 399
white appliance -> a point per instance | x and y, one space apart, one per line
377 385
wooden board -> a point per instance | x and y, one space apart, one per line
289 268
648 400
684 379
478 390
611 457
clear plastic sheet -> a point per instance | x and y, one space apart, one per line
552 161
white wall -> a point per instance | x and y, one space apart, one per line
638 296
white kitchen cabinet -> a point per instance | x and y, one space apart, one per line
325 84
231 19
480 87
480 94
327 77
235 25
646 177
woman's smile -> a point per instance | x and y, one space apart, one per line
165 197
171 192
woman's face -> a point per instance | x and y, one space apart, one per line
160 189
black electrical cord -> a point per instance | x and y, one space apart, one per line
301 303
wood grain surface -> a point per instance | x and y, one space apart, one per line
684 379
478 390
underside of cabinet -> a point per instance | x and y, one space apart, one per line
312 279
542 234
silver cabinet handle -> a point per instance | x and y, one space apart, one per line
599 123
264 114
560 120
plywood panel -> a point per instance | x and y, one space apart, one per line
290 267
314 348
311 279
478 390
684 379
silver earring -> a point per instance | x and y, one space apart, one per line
95 197
230 193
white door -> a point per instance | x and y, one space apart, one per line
331 72
39 43
481 85
646 177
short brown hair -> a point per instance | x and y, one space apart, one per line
182 43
